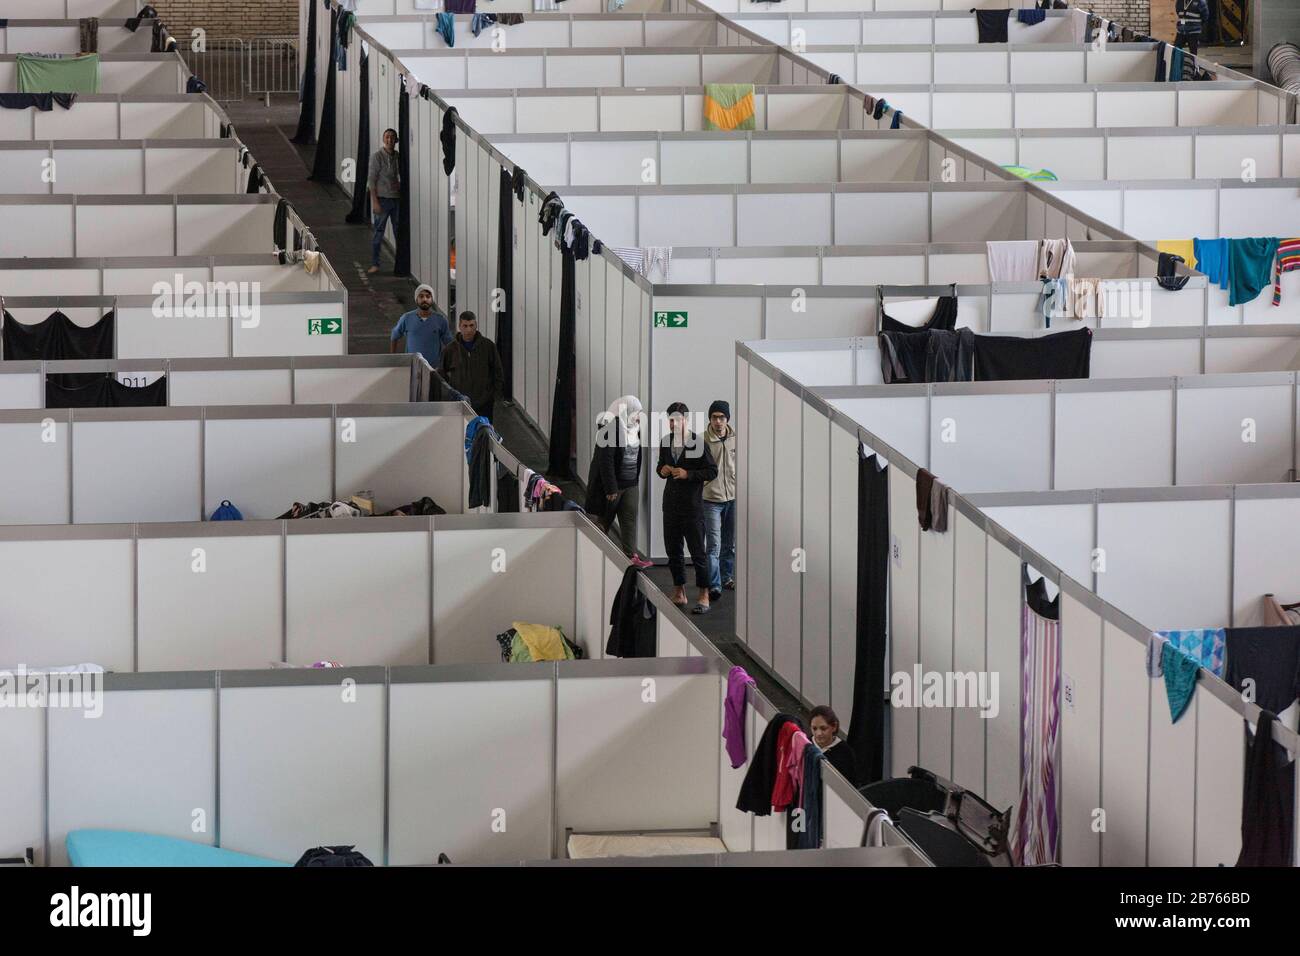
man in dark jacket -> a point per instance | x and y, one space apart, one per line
686 465
1192 18
612 492
471 365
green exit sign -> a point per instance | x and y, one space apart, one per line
670 320
324 326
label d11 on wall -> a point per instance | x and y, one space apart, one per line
324 326
670 320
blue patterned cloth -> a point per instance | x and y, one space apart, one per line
446 28
1203 645
1181 672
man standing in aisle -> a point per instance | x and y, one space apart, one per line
385 187
424 328
686 467
1192 17
471 365
720 501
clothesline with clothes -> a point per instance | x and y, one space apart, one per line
876 108
1242 267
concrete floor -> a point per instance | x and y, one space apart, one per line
376 301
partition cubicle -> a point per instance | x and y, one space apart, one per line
123 166
137 73
95 465
70 9
107 116
955 603
62 36
534 753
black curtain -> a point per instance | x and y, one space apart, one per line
57 338
505 281
565 375
867 725
360 200
402 232
322 170
307 114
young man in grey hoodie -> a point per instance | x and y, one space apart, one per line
720 501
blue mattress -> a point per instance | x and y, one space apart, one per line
129 848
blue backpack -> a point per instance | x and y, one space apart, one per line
226 512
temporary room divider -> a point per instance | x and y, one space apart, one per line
45 35
227 325
168 746
137 73
124 166
1171 794
70 9
132 275
302 380
119 116
554 30
94 465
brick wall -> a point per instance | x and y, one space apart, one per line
229 18
1136 14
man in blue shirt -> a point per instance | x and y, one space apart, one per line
425 330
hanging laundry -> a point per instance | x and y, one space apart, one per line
510 19
1203 645
195 85
897 121
944 316
1160 61
1054 300
1031 16
1037 837
1183 248
88 27
633 621
760 780
540 6
809 835
787 744
57 338
931 502
480 21
549 214
1250 268
459 6
1085 298
1175 65
69 74
445 26
1013 261
733 723
1056 259
448 139
1211 258
1180 673
105 392
1267 803
879 111
991 25
1032 175
934 355
146 13
1288 260
728 106
41 101
1009 357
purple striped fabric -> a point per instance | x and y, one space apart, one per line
1037 832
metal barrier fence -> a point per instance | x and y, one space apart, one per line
230 67
272 66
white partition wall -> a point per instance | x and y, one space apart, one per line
955 598
88 466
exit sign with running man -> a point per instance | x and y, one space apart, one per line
324 326
670 320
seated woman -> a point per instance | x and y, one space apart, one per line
825 726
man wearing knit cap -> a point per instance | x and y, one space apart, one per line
720 501
425 330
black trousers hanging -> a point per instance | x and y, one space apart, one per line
506 281
360 200
307 114
867 725
402 234
565 375
322 170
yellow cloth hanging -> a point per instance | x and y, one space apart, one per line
544 643
728 106
1178 247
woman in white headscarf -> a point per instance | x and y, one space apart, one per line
613 491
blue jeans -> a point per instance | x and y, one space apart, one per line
387 211
720 541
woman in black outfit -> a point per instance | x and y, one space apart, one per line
825 726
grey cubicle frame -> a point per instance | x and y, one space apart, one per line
115 302
967 506
709 661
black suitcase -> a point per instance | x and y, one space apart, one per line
953 826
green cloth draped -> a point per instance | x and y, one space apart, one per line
67 74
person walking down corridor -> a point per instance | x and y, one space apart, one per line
720 501
686 465
385 188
